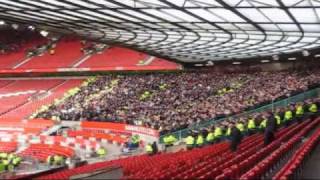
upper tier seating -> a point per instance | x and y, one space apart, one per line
214 161
126 59
114 57
28 40
66 53
8 61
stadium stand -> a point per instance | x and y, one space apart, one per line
214 161
32 55
16 125
24 41
34 104
42 151
162 102
60 58
20 98
161 89
8 147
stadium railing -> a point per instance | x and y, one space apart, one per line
272 106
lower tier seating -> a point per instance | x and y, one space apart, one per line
215 161
42 151
298 158
8 147
98 135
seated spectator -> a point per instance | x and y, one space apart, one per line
170 102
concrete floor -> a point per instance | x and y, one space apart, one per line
311 169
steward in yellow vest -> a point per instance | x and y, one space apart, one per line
149 149
200 140
288 117
299 112
313 110
251 126
263 124
210 137
278 119
241 127
190 142
217 133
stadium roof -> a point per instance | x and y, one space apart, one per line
184 30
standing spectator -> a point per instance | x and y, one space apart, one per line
236 137
270 129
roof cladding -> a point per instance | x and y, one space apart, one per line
185 30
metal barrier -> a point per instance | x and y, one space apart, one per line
272 106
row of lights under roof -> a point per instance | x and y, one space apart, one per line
30 27
274 57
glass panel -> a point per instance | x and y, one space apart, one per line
276 15
304 15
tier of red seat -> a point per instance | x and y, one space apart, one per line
257 170
8 61
66 53
42 151
8 147
27 88
34 126
214 161
114 57
298 158
98 135
32 106
23 97
158 62
126 59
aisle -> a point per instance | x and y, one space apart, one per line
311 170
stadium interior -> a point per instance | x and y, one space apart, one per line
159 89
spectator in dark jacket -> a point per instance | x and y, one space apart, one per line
236 137
270 129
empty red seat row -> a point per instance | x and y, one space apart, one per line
8 147
34 126
263 166
8 61
66 53
42 151
207 162
35 104
98 135
295 162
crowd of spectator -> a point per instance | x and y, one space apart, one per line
172 101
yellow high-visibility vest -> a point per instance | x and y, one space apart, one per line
288 115
149 148
199 140
240 126
313 108
251 124
278 119
190 140
263 124
210 137
217 132
299 111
